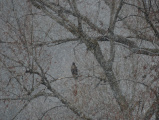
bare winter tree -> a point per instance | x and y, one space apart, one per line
115 44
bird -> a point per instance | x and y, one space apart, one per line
74 71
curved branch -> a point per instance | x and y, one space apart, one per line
52 6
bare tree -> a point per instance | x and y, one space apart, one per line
119 40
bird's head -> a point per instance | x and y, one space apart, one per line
73 63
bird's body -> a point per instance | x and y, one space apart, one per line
74 71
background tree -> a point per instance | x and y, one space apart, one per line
114 43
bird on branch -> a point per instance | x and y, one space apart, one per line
74 71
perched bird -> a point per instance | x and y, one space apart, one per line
74 71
